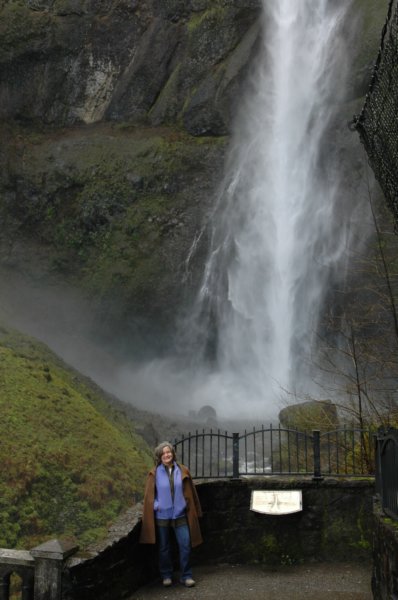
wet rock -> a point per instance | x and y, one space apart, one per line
314 414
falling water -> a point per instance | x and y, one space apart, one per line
277 232
275 242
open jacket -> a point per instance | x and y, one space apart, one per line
193 508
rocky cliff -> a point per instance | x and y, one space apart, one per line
66 62
115 117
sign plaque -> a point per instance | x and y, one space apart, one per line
276 502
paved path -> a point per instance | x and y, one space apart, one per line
326 581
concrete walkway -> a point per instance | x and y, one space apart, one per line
329 581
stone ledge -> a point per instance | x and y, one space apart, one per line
118 531
22 558
54 550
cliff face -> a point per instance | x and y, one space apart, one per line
115 117
65 62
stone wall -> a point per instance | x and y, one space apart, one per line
114 568
385 556
335 524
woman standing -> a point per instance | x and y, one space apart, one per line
171 502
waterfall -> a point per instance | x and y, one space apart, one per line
277 234
275 242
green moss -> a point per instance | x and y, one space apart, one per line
272 550
196 21
20 28
69 464
363 543
390 522
332 530
268 548
109 203
169 92
339 534
213 14
127 256
310 415
212 35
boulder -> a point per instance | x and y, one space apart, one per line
310 415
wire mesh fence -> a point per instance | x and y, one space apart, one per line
377 124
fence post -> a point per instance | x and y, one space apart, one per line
378 471
235 455
49 558
316 445
20 562
4 587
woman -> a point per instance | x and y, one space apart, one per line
171 502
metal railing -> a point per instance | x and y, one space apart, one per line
277 451
387 470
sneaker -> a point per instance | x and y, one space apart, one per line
188 582
167 582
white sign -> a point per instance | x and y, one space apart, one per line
276 502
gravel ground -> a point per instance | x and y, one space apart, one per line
329 581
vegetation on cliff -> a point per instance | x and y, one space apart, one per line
70 462
113 207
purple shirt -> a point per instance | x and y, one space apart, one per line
166 504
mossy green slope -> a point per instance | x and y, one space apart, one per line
115 211
67 469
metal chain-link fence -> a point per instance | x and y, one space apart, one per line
377 124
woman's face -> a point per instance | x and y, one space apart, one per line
167 456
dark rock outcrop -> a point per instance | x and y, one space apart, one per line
65 62
313 414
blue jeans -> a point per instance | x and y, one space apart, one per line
184 548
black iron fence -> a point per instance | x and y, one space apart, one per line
387 470
277 451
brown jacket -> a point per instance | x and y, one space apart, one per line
193 508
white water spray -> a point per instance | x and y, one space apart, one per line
275 242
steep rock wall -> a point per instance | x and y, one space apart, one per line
114 116
64 62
